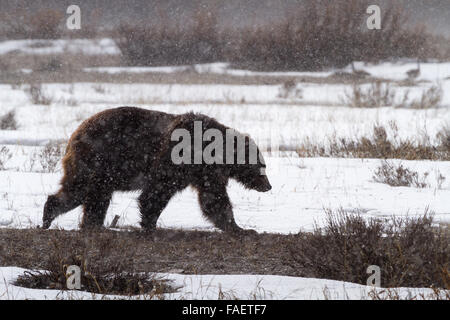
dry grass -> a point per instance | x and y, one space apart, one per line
378 95
51 155
444 137
399 176
37 95
430 98
409 251
289 90
393 294
8 121
5 156
191 252
379 146
382 94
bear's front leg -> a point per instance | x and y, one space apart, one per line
95 207
154 199
217 208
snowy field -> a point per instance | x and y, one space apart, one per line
257 110
302 187
211 287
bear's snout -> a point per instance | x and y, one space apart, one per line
263 185
46 224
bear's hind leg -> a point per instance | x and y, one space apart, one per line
217 208
95 207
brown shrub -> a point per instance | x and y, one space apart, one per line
381 94
399 176
324 34
379 146
5 156
443 137
377 95
431 98
103 277
409 251
51 155
8 121
168 43
289 90
316 35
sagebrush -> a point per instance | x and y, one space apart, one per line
411 252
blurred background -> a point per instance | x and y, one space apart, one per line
110 13
268 35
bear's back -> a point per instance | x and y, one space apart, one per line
119 143
123 120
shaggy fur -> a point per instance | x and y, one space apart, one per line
129 148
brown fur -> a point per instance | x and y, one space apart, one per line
128 148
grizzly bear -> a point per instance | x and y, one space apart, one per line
129 148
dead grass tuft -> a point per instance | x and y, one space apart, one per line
431 98
289 90
8 121
51 155
377 95
37 94
399 176
5 156
381 94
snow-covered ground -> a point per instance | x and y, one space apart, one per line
217 68
213 287
302 187
75 46
429 71
257 110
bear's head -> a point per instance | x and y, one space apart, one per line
201 147
249 167
50 212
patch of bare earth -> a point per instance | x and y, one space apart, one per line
164 250
411 252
